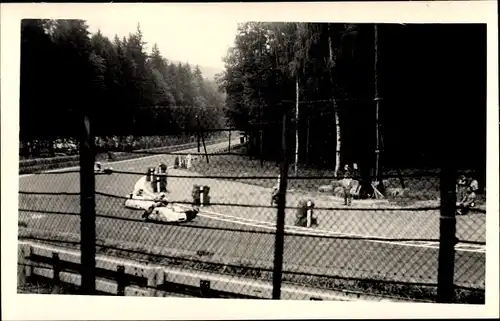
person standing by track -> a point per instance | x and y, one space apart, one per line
347 176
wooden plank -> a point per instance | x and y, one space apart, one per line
64 255
131 267
156 278
156 275
23 268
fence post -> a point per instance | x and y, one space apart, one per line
87 203
56 267
205 288
202 138
155 279
280 221
120 280
23 264
447 237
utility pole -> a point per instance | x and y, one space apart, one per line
280 221
87 205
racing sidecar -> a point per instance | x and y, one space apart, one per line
170 213
155 209
98 169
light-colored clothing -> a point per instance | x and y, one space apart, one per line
468 201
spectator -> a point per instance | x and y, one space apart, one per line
347 184
356 171
462 188
467 200
474 184
162 177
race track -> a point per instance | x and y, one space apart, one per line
213 231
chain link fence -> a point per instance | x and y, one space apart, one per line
340 232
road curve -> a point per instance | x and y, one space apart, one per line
331 256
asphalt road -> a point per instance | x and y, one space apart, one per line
233 242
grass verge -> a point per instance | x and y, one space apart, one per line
419 185
40 285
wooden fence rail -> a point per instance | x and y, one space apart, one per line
125 277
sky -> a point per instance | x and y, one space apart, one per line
190 39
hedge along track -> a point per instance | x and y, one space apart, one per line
54 164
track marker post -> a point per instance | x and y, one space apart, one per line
202 196
309 217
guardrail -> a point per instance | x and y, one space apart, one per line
27 166
124 277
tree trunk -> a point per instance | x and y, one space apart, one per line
335 107
51 147
307 139
378 169
338 138
296 124
261 147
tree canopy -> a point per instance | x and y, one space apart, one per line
421 76
431 79
126 89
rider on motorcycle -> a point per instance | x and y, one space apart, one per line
159 201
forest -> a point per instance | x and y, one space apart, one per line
127 91
428 80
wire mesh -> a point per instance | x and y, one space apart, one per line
365 244
386 246
375 231
213 240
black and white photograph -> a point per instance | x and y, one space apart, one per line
206 158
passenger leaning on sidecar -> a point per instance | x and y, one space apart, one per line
159 201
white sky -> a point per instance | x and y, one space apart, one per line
180 36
